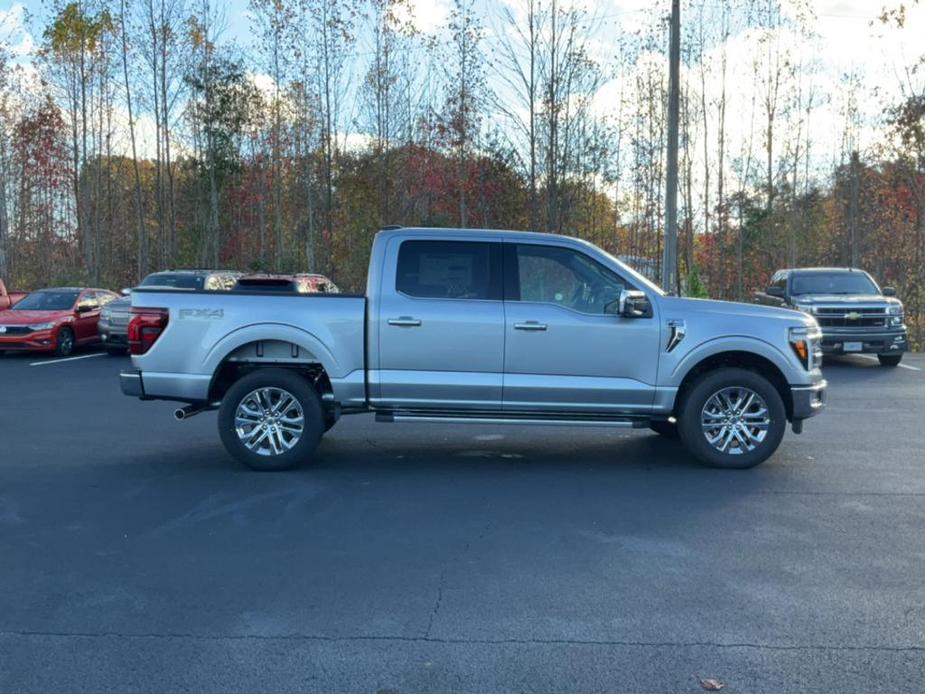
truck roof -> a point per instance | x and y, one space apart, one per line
195 271
823 269
537 235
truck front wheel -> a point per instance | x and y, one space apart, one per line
732 418
271 419
890 359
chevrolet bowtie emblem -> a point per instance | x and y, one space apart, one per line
854 315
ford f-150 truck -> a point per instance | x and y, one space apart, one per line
854 313
479 326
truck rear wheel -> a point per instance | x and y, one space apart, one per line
732 418
271 419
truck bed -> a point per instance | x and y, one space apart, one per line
208 328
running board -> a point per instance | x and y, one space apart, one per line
480 418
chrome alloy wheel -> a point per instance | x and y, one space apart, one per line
269 421
735 420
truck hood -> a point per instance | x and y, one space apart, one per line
30 317
684 307
848 299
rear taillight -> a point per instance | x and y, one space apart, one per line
145 327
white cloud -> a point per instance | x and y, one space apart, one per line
427 16
14 35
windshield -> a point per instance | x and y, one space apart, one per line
171 279
833 283
47 301
638 278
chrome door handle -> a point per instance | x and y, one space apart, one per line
530 325
405 322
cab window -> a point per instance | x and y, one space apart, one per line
449 270
563 277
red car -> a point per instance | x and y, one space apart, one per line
53 320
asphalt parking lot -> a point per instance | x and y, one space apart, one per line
136 556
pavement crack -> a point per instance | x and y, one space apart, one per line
434 612
611 643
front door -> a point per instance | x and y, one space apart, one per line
440 326
87 318
563 352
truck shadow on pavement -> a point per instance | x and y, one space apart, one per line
400 454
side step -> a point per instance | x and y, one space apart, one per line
513 418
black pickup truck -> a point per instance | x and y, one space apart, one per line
855 314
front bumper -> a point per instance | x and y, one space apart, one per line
112 338
113 333
42 341
871 342
808 401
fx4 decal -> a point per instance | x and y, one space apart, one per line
201 314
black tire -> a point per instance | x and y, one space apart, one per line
696 399
64 345
890 359
664 428
116 351
307 400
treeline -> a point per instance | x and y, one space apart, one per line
139 137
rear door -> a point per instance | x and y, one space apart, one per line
564 350
440 326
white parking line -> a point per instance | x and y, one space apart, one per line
58 361
901 366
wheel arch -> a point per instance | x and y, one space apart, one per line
270 345
737 358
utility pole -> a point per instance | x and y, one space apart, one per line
670 260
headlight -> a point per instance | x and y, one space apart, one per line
42 326
894 314
805 344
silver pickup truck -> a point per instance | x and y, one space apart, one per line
490 327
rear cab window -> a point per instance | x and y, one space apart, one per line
174 280
449 270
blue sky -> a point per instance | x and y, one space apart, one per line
845 42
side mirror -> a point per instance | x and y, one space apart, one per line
634 304
84 308
889 291
126 291
776 292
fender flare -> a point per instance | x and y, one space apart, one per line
736 343
280 332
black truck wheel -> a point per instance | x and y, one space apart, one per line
271 419
732 418
890 359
